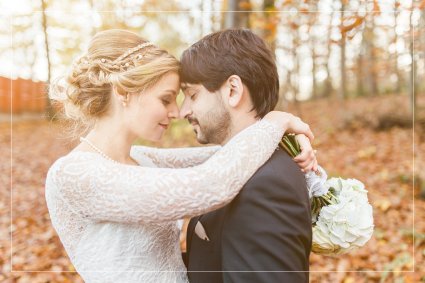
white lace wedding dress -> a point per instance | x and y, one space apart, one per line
118 223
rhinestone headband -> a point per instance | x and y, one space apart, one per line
133 50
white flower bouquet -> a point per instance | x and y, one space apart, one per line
342 217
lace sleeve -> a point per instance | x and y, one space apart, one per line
101 190
175 157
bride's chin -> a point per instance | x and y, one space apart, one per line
154 137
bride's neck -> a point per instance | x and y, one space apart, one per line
112 139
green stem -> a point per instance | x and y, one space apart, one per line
290 145
294 142
282 144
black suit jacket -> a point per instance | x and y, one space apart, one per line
267 227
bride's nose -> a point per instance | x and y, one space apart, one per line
185 110
174 113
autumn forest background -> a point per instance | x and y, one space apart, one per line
352 69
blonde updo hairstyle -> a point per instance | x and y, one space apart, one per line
115 58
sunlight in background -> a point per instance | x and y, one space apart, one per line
72 24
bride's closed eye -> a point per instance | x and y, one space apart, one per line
166 100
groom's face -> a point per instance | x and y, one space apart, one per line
206 112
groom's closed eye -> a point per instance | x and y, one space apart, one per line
193 96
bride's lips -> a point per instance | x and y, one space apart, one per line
165 126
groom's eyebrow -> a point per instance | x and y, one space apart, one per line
187 86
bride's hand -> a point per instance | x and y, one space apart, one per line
306 160
290 123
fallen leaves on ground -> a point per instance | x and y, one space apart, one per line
383 160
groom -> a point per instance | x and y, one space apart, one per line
230 80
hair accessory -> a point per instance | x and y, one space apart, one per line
134 49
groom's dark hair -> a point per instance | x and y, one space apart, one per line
217 56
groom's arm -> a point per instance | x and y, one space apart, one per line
268 228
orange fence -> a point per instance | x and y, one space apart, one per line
22 96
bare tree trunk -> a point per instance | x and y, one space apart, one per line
360 74
373 66
296 86
49 108
412 85
217 16
313 71
343 71
369 66
328 82
269 34
240 17
93 9
396 69
201 28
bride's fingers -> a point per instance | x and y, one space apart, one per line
306 149
310 134
307 132
303 160
297 126
315 167
305 155
307 165
307 168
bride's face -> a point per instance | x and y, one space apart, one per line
149 113
207 114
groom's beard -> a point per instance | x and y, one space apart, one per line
213 127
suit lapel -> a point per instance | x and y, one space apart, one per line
190 232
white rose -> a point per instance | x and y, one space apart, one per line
348 223
334 183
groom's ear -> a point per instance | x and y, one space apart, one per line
235 86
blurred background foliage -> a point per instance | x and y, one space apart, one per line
352 69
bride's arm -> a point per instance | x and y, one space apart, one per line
175 157
104 191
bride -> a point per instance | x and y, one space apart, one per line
115 206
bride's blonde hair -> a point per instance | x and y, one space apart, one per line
115 58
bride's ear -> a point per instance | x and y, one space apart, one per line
235 90
120 94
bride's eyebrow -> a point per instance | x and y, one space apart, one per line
170 91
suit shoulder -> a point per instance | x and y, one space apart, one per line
280 166
278 180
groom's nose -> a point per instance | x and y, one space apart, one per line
185 109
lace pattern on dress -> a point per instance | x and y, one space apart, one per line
121 219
